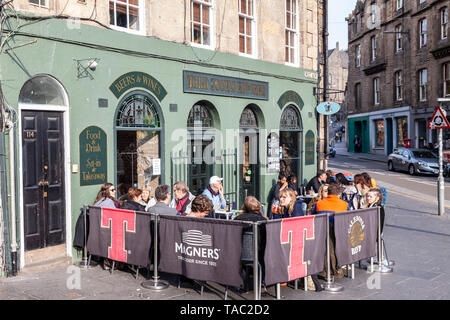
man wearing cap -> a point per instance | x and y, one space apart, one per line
215 193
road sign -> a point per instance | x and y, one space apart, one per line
438 120
328 108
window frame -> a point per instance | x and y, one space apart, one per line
398 78
373 12
444 24
296 47
358 56
212 39
398 38
423 33
398 4
253 25
376 91
373 48
39 5
422 84
141 17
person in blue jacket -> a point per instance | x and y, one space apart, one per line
290 206
215 193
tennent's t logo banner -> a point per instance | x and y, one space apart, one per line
293 233
119 221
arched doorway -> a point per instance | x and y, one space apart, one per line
138 143
249 153
43 107
291 143
201 125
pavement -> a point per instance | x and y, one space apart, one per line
415 239
341 149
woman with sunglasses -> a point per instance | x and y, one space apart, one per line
106 197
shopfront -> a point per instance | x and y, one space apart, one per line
140 120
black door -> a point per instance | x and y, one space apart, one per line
43 179
199 170
249 163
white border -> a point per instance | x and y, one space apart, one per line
67 172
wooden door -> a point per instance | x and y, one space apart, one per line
43 179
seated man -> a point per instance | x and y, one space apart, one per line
162 195
182 201
214 192
315 182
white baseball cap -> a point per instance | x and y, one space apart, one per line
214 180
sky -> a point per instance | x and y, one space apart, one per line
338 10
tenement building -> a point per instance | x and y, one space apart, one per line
141 93
399 65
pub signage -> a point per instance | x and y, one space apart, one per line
132 80
93 156
310 145
204 83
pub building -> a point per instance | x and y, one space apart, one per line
89 108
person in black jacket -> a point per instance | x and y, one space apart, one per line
252 212
134 197
315 182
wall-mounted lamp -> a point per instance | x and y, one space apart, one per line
84 64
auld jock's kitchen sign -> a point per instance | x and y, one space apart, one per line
93 156
204 83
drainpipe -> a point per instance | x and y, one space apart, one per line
14 246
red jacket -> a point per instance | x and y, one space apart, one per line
332 203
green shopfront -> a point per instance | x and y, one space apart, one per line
149 112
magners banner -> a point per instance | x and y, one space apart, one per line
356 235
295 248
201 249
120 235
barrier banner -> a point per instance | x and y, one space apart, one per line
201 249
295 248
356 235
120 235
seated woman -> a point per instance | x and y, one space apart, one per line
290 206
201 207
146 199
323 194
134 196
106 197
252 211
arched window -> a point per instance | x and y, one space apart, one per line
43 89
248 119
199 116
138 111
290 119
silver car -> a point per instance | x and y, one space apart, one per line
415 161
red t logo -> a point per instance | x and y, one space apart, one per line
293 233
120 221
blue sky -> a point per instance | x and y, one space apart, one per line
338 10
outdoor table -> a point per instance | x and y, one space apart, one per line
307 198
222 214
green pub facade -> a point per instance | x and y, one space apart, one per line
150 112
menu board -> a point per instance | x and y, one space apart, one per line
93 166
310 145
273 153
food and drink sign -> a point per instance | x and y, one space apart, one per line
204 83
93 168
310 144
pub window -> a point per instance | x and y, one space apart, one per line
291 142
201 22
446 78
398 86
246 27
138 111
199 116
444 23
127 15
39 3
422 33
423 80
291 32
398 38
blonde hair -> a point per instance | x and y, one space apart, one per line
319 197
290 193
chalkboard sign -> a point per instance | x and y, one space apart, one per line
93 166
273 153
310 144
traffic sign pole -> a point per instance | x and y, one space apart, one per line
441 186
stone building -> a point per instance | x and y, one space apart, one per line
149 92
399 60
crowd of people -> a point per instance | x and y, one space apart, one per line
328 192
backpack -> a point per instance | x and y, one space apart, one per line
349 198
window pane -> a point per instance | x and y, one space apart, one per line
134 2
250 8
241 25
111 14
197 37
288 20
196 8
121 15
205 13
134 18
206 35
249 45
242 44
286 58
243 6
249 27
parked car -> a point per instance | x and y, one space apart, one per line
415 161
